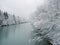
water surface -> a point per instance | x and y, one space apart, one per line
17 35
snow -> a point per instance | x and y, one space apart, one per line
10 20
47 22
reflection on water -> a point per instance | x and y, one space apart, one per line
5 33
17 35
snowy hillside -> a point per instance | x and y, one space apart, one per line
46 22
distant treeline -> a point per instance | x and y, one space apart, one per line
8 19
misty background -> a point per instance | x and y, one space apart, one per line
22 8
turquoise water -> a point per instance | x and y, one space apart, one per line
17 35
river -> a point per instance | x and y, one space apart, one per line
16 35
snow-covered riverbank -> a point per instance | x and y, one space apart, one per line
46 22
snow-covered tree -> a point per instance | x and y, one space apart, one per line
6 15
47 21
8 19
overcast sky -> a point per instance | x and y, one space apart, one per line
20 7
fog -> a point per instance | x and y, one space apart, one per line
22 8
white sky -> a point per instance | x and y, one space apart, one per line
20 7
